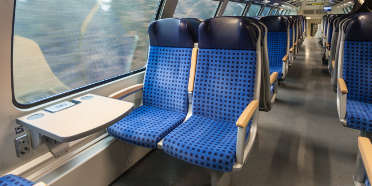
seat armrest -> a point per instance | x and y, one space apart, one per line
365 149
333 64
193 69
342 86
295 43
285 58
127 91
247 114
328 45
291 49
40 184
273 77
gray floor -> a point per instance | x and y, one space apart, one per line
300 141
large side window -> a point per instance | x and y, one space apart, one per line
234 9
273 12
203 9
60 47
265 11
253 10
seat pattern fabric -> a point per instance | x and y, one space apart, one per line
167 79
12 180
224 83
146 125
204 142
357 71
165 99
367 183
224 86
359 115
277 49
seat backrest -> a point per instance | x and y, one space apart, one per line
357 57
265 92
194 27
291 28
228 68
277 38
169 59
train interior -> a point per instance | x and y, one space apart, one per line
185 92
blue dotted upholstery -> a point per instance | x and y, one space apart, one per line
367 183
165 98
357 74
277 49
224 86
12 180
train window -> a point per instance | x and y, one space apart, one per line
203 9
60 48
265 11
253 10
234 9
273 12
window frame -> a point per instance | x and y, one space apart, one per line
264 10
230 2
71 92
250 6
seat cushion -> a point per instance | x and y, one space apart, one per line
12 180
204 142
359 115
146 125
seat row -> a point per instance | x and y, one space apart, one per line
229 65
231 73
349 52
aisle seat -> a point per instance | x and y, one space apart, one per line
165 97
355 77
223 124
278 44
13 180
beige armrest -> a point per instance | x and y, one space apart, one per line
365 148
291 50
192 69
273 77
333 64
285 58
40 184
126 91
342 86
247 114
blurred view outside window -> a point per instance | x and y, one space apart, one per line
253 10
203 9
265 11
273 12
234 9
61 45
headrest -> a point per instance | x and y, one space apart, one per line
171 32
237 33
193 24
275 23
338 20
359 27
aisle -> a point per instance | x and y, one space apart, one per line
300 141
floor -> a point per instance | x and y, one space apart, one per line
300 140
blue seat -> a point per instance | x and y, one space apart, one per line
12 180
165 98
278 40
355 105
225 84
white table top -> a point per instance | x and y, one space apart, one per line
92 114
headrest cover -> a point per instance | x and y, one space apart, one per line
236 33
171 33
359 27
275 23
193 24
